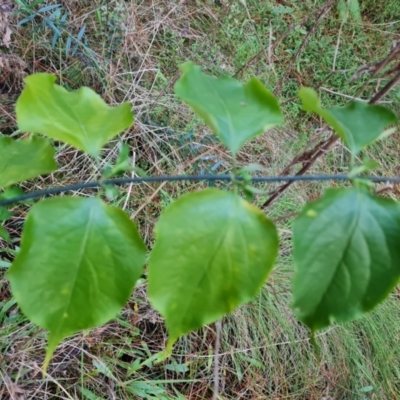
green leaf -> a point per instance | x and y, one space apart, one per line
24 159
235 112
213 252
80 118
102 367
111 192
122 164
11 192
77 266
4 234
350 8
346 251
362 123
367 389
355 11
88 394
123 161
4 214
367 165
358 124
178 368
140 172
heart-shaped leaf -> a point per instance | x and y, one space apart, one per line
358 124
24 159
213 252
78 263
235 112
346 251
80 118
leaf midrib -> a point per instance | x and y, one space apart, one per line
85 133
228 116
340 262
58 105
206 270
79 263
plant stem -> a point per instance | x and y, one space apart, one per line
216 359
234 172
352 160
190 178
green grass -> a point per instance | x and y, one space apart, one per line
131 52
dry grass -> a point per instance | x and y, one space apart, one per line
130 52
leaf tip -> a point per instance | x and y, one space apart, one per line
40 78
309 98
187 66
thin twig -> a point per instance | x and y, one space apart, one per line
314 154
309 157
339 35
386 89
